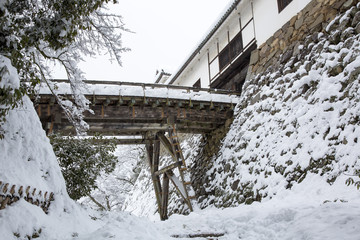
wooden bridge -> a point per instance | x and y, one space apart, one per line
150 114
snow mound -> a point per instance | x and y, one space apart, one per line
27 159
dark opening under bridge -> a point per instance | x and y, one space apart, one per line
150 114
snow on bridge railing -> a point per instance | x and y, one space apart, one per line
149 90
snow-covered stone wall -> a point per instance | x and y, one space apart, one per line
285 41
299 114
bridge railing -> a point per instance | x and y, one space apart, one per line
148 90
154 85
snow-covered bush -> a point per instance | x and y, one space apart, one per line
36 34
82 161
113 188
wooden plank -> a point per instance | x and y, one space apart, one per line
165 197
155 179
166 143
170 167
199 235
156 155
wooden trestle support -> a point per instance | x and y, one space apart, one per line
172 145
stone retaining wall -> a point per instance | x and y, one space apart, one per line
285 43
204 161
214 177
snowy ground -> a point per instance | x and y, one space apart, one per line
312 210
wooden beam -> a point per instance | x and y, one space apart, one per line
170 167
165 197
153 154
156 155
166 143
155 179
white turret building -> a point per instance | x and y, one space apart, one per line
222 58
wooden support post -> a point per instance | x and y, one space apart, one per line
153 153
165 197
50 130
48 110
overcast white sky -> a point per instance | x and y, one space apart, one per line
166 33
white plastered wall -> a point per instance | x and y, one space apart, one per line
267 20
197 69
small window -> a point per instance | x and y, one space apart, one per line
282 4
236 46
197 84
231 51
224 57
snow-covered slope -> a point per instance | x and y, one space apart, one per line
27 159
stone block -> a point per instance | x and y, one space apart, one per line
309 7
344 24
348 4
254 68
309 20
285 26
315 9
254 57
264 50
319 20
338 4
270 40
262 45
357 28
297 49
272 54
282 45
278 33
255 99
286 56
347 34
292 21
260 70
289 33
356 19
330 15
274 43
299 23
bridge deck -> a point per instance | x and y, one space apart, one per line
135 108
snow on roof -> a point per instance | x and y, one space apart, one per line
160 75
228 10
